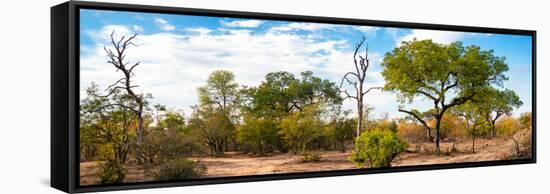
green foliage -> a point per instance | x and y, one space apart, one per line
213 119
112 172
447 74
340 129
221 90
178 169
300 129
260 134
421 66
526 120
377 148
282 93
493 103
105 128
214 127
384 124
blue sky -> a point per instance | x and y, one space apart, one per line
178 52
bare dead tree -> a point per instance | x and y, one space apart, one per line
357 80
116 57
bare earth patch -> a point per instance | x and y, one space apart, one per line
238 164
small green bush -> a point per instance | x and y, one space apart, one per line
311 157
112 172
181 168
377 148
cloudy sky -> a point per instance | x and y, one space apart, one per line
177 53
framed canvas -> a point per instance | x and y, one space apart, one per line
148 96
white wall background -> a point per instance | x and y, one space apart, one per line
25 78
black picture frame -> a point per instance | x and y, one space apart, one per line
65 94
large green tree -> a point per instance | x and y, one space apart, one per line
259 134
494 103
340 128
108 128
221 90
218 104
300 129
214 127
448 75
282 93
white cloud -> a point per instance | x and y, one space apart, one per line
444 37
303 26
138 28
366 29
164 25
174 65
243 23
198 30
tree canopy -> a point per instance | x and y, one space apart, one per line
446 74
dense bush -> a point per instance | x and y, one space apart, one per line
339 131
412 131
377 148
508 126
112 172
300 129
260 135
181 168
451 126
526 120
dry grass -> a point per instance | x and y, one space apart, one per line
237 164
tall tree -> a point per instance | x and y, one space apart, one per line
282 93
357 80
474 122
116 54
446 74
496 103
107 126
221 90
213 126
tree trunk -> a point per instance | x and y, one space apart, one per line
359 117
429 135
474 144
437 134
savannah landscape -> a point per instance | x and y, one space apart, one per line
296 122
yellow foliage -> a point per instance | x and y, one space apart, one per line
507 126
451 126
411 131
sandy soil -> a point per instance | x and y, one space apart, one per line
237 164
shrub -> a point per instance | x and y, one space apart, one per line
526 120
508 126
300 129
181 168
339 131
377 148
412 132
451 126
112 172
260 135
311 157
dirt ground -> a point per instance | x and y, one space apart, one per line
237 164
